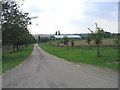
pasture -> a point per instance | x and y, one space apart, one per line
87 55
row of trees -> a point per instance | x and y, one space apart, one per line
57 33
14 25
43 39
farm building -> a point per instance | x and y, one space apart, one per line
68 36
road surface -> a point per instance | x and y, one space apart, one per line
43 70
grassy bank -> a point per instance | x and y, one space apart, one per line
12 59
108 58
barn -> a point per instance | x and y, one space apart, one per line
57 37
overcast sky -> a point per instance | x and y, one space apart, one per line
71 16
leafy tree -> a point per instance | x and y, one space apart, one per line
117 41
97 36
107 34
14 25
44 39
61 41
56 33
66 40
72 43
52 38
88 38
39 39
58 43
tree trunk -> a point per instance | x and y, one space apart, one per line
98 50
13 48
20 47
26 45
17 48
82 49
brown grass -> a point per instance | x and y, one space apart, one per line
105 42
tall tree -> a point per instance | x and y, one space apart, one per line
97 36
117 41
38 39
56 33
66 40
107 34
14 25
88 38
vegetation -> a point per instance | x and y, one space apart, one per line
12 59
88 38
39 39
72 43
52 38
74 54
58 32
43 39
97 36
65 40
117 41
107 34
14 25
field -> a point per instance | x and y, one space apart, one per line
108 55
12 59
82 42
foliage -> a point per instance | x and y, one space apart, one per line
44 39
66 40
88 38
14 25
58 32
72 43
52 38
107 34
39 39
61 41
117 41
97 36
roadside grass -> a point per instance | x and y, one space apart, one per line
12 59
108 58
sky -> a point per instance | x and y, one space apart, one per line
71 16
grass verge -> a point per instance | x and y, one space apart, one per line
108 58
11 60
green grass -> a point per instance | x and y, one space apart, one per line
108 58
10 60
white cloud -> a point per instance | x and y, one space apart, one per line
107 25
57 14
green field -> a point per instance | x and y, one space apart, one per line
108 58
12 59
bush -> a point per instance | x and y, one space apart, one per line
44 39
66 40
72 43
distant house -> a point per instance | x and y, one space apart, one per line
68 36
